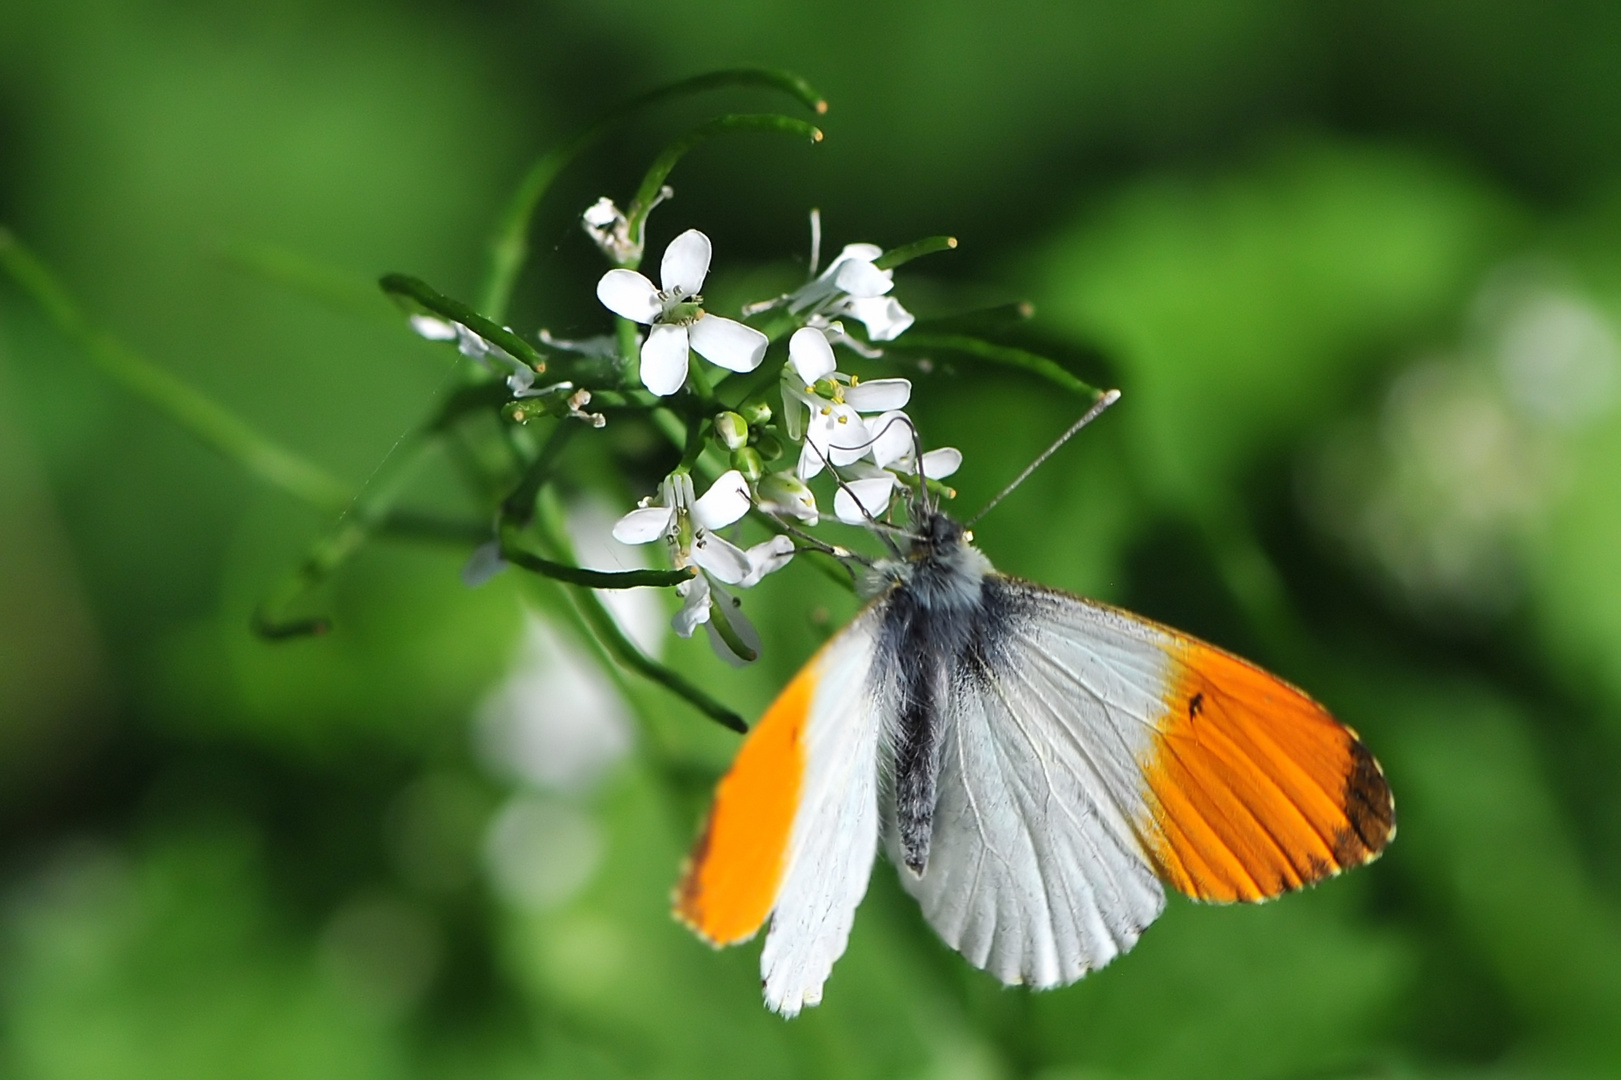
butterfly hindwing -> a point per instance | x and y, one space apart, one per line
1036 872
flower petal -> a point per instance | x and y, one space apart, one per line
644 525
879 395
627 293
694 606
860 278
812 459
941 463
433 329
686 262
883 316
719 557
864 252
601 214
727 343
485 563
850 442
838 432
872 494
793 411
892 438
767 557
811 355
726 500
471 345
664 359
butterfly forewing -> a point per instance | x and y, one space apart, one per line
1248 787
1254 789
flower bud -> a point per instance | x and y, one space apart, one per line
746 460
786 494
757 413
732 431
768 446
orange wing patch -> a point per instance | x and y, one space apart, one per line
730 881
1254 789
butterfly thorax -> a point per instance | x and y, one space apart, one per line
941 565
934 617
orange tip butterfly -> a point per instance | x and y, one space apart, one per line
1037 765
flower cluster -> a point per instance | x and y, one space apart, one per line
833 431
852 430
687 525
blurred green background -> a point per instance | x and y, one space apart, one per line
1355 267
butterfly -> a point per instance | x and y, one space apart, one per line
1037 765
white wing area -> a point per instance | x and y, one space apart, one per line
835 831
1035 872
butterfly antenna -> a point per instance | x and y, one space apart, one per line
873 523
836 551
922 481
1109 397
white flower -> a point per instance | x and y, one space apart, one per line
852 285
834 430
607 225
677 320
687 525
869 490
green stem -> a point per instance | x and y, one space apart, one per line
980 321
518 508
414 525
201 416
370 511
624 650
630 355
907 252
509 248
1007 355
589 579
421 293
646 195
723 627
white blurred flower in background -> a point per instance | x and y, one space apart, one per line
556 726
1440 491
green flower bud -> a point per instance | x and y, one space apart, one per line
521 412
731 430
768 446
746 460
756 412
784 493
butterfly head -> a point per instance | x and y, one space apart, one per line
937 536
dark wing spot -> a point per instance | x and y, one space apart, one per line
1196 705
1369 810
688 893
